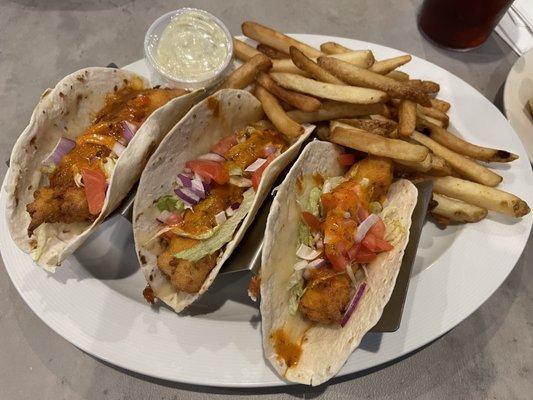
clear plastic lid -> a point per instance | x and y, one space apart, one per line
176 53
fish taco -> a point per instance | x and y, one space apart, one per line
201 190
85 146
333 246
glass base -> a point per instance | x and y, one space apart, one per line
437 44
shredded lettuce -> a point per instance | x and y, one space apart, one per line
313 204
304 234
224 233
296 291
375 207
41 241
170 203
395 230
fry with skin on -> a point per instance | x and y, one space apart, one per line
423 120
243 51
468 149
246 73
434 113
277 115
298 100
360 58
361 77
333 110
311 68
436 166
406 117
387 128
322 132
419 166
371 143
481 196
343 93
439 104
427 87
465 166
399 76
333 48
275 39
383 67
271 52
457 211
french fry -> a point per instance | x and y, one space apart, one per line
275 39
383 67
465 166
456 210
434 113
263 124
333 110
481 196
427 87
353 75
333 48
360 58
371 143
439 166
277 115
387 128
439 104
243 51
468 149
423 121
271 52
343 93
298 100
246 73
406 117
420 166
399 76
310 67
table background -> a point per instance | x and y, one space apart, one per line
488 356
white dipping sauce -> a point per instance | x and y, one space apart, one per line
192 47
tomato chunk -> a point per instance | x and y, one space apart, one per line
208 169
312 221
95 186
258 173
338 260
174 219
364 256
346 159
224 144
378 229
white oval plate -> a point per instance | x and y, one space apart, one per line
95 302
517 92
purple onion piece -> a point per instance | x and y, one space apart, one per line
189 200
235 206
185 180
129 130
353 304
63 147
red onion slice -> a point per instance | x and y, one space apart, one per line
240 181
316 263
353 304
187 196
184 180
118 149
162 217
364 227
212 157
63 147
255 165
197 186
307 253
269 149
302 264
129 130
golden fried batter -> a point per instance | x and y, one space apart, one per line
326 296
58 205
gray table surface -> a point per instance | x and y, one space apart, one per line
488 356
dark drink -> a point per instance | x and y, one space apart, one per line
460 24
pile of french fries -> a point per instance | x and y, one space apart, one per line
372 107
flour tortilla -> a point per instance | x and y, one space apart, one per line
67 110
221 114
324 348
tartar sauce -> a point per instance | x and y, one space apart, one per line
192 47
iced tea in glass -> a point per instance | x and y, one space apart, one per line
460 24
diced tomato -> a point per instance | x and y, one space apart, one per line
337 259
95 186
174 219
352 251
378 229
346 159
364 256
258 173
209 170
312 221
224 144
369 242
362 214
